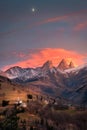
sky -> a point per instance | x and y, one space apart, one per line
34 31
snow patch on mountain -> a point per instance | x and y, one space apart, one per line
76 69
28 73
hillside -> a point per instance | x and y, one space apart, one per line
64 81
10 91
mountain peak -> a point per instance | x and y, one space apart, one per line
14 72
14 68
63 60
63 65
47 65
71 65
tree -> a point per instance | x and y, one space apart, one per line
11 120
23 124
42 121
5 103
31 127
29 96
0 86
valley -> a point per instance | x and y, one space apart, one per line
44 98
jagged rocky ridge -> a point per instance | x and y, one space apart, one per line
26 73
64 80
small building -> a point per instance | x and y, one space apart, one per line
20 103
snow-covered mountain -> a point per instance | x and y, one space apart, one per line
14 72
64 80
26 73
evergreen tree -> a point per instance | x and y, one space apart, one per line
31 127
42 121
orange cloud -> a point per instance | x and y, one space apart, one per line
56 55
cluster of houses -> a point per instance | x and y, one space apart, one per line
20 103
47 101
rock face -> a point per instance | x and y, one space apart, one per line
47 65
71 65
63 65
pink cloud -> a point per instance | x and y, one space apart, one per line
56 55
19 54
60 18
80 26
66 17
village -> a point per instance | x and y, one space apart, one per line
36 113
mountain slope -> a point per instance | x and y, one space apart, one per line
64 81
10 91
77 83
